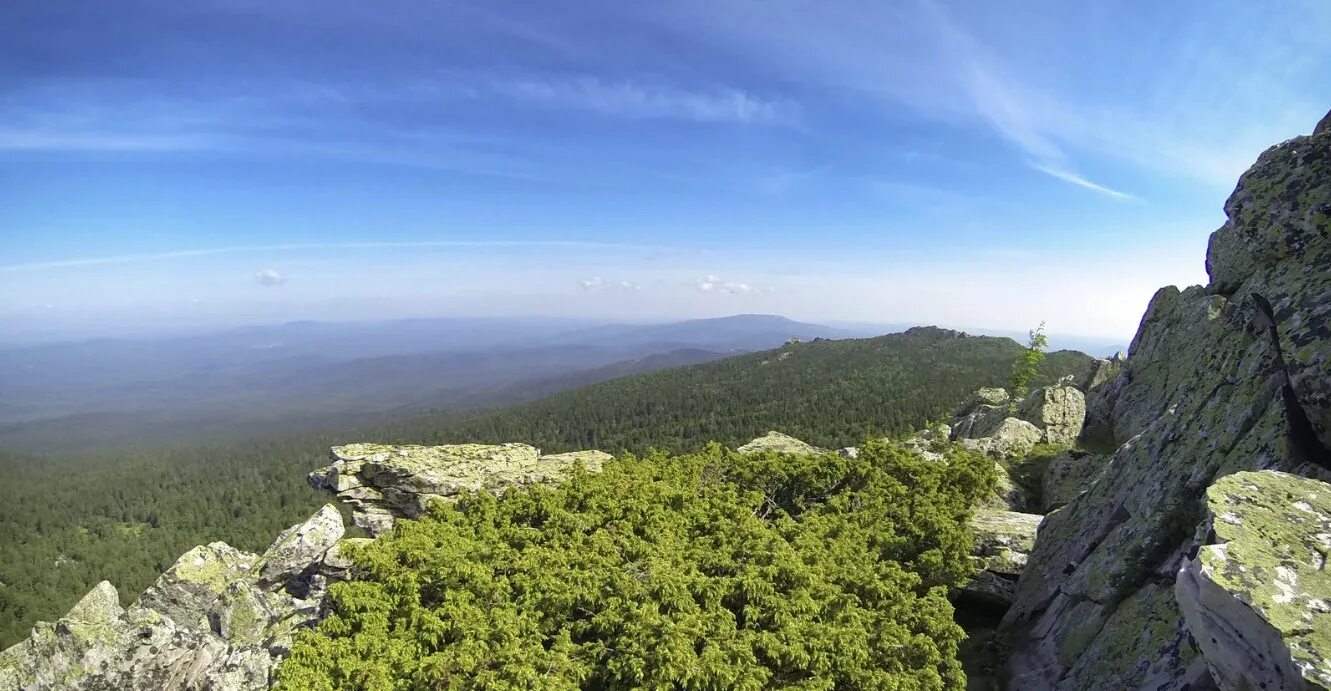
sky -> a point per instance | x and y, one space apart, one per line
169 165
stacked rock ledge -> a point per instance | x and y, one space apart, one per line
382 482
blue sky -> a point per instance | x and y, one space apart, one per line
976 164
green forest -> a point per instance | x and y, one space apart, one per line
126 514
712 570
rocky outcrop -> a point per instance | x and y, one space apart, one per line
1221 379
1068 474
990 424
1003 539
218 619
382 482
780 443
1058 411
1256 596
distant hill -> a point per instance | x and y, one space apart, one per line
830 393
258 380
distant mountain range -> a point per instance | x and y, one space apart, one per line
257 380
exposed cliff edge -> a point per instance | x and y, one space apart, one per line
219 618
1227 378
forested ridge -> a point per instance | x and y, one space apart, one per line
124 515
829 393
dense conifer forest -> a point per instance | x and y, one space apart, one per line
126 514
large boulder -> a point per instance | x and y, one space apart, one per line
1008 438
1221 379
383 482
218 619
1257 596
1058 411
780 443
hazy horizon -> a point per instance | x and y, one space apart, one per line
215 164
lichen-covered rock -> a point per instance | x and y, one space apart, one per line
1068 474
1002 541
299 547
218 619
1058 411
1208 390
184 592
780 443
984 398
382 482
1257 596
1010 437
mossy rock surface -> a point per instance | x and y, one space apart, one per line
1258 598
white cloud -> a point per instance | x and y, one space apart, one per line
712 284
598 283
269 278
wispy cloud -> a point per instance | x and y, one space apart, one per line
1068 176
631 99
1005 104
185 254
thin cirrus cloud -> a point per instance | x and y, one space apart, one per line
629 99
185 254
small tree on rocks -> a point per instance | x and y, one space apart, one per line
1028 363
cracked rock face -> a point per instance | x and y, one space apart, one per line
218 619
1257 596
383 482
1068 475
1215 384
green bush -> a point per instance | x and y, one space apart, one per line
704 571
